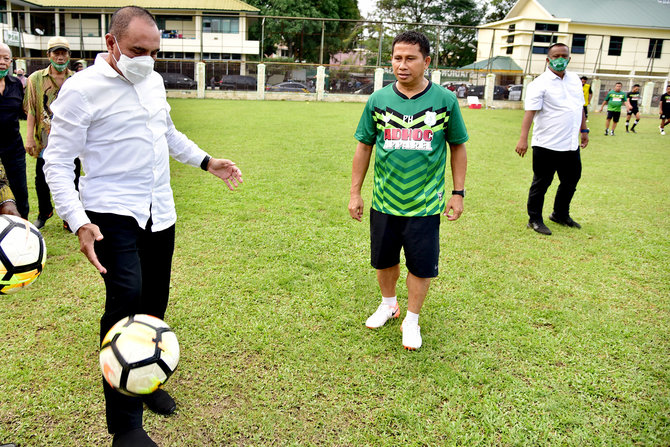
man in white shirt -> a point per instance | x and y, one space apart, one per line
114 116
554 102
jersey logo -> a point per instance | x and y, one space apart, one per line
431 118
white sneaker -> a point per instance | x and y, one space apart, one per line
411 336
383 314
662 131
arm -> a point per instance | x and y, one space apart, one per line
186 151
459 166
522 145
29 107
7 202
584 135
358 170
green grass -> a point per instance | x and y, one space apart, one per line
528 340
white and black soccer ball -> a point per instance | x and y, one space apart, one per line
139 354
22 253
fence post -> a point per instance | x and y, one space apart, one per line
647 93
526 80
320 82
488 90
436 77
379 78
260 82
200 78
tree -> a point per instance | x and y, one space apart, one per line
499 9
303 37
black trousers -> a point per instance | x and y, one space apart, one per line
44 206
546 163
139 264
14 161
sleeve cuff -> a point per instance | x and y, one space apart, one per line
77 220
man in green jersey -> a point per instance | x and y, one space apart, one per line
614 99
409 122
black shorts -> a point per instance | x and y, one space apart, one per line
633 111
614 116
665 116
419 236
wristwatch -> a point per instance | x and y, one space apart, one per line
458 192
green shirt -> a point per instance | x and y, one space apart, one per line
615 100
410 136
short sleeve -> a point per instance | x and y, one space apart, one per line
534 97
456 131
366 132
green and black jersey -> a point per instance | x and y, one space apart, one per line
615 100
633 98
410 136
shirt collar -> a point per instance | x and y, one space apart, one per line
105 68
45 72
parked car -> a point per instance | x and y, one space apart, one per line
178 81
368 88
499 92
515 92
289 86
237 82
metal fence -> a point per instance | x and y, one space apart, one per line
291 49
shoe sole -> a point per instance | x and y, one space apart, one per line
394 316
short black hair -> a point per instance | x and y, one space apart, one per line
122 17
636 85
584 78
413 38
558 44
618 82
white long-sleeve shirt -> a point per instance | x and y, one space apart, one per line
559 104
124 136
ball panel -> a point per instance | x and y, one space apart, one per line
169 347
137 342
145 379
111 368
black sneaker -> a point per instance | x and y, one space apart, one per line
626 130
41 220
133 438
606 132
633 130
160 402
567 221
539 226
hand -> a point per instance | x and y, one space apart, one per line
356 207
522 147
31 146
600 110
9 207
454 204
88 234
585 140
226 171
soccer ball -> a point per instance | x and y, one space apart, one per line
139 354
22 253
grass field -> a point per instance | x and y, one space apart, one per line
528 340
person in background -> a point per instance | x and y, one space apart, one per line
588 94
614 100
664 109
20 73
633 100
12 155
41 91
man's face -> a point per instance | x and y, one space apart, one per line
667 89
59 56
636 89
583 81
19 72
558 51
408 63
140 39
617 87
5 58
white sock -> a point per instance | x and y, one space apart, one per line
411 317
390 302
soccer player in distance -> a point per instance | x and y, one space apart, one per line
664 109
554 103
116 118
409 124
614 100
633 100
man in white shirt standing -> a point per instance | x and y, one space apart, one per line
114 116
554 103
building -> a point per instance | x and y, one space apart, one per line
196 30
613 37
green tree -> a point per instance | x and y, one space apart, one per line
498 9
303 37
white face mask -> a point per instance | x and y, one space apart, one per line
135 69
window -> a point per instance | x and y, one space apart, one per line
545 38
3 17
655 48
540 50
225 25
510 38
616 43
510 50
546 27
578 43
